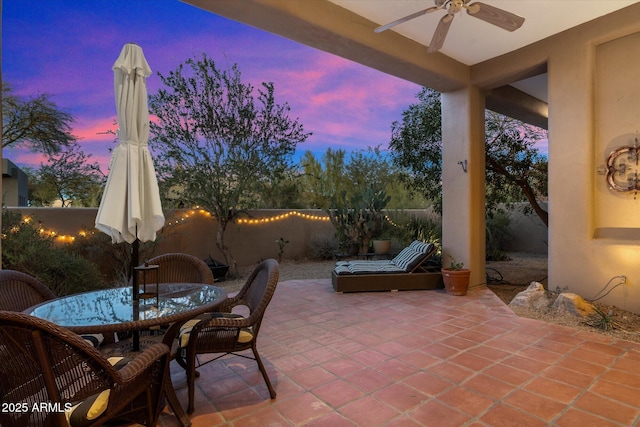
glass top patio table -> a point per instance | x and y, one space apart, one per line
112 309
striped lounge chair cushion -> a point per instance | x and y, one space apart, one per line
409 258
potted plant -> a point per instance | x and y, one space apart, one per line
456 278
381 245
381 241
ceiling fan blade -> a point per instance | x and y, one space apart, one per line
406 18
440 34
493 15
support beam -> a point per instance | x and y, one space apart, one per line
324 25
514 103
463 180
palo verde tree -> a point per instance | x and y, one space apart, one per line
515 169
67 177
36 123
219 142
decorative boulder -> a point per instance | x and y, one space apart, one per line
534 297
573 304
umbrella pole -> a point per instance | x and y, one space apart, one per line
136 292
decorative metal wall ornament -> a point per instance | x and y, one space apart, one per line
622 169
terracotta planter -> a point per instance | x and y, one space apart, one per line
456 282
381 247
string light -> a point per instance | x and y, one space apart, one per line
254 221
65 238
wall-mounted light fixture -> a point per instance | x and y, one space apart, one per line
463 163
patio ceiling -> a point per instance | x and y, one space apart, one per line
345 28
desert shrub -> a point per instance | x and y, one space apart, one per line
415 227
26 249
112 259
498 234
323 246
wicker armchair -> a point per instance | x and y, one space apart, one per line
227 332
48 374
19 291
182 268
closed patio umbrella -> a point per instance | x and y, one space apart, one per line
130 209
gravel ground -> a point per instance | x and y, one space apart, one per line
504 278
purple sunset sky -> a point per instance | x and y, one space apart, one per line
66 48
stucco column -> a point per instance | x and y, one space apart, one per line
463 208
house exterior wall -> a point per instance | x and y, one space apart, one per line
593 232
14 184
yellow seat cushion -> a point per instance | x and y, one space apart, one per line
244 337
85 412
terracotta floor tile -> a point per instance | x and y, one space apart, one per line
607 408
504 416
507 374
337 393
418 359
369 380
395 369
459 343
368 411
487 351
471 361
429 384
330 420
466 400
626 377
342 367
617 392
369 357
555 390
568 376
402 421
488 386
400 396
268 416
534 404
524 363
337 360
594 356
312 377
436 414
439 350
302 409
578 418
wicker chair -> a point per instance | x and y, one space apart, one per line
182 268
46 372
19 291
229 333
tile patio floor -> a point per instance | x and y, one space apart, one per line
416 359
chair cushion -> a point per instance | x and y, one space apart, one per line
85 412
245 336
93 339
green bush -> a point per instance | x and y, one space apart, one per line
498 235
323 246
112 259
27 250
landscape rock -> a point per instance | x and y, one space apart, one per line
534 297
573 304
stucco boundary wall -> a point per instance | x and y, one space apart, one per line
193 231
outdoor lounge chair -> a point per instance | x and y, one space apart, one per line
404 272
227 332
50 376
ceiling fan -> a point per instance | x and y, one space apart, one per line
492 15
